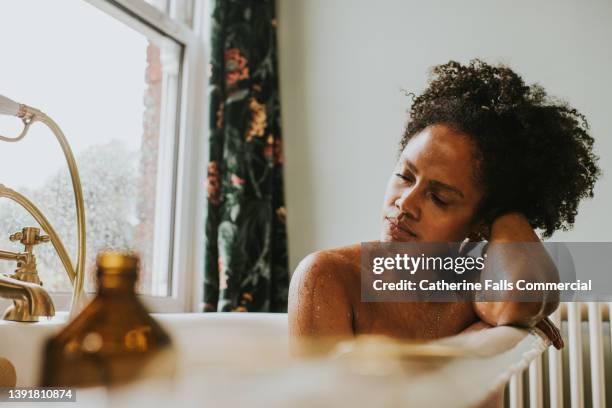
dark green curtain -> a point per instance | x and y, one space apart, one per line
246 243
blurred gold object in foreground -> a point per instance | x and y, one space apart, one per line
8 375
113 340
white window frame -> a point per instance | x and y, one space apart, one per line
187 246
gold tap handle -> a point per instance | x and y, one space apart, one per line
29 236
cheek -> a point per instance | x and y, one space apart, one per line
446 226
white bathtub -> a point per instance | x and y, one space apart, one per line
242 359
200 339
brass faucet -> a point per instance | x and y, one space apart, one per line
30 300
24 286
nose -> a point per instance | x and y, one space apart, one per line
408 203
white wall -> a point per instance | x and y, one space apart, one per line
343 64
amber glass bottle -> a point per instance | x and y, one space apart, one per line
113 340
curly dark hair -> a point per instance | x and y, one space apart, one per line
534 153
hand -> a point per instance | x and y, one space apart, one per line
481 232
551 331
472 241
483 228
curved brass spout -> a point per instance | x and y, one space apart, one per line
29 116
36 299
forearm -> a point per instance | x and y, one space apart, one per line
516 253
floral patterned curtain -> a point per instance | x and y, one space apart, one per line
246 243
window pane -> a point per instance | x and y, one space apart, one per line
162 5
113 89
180 10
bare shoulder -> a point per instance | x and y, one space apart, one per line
335 268
322 291
335 258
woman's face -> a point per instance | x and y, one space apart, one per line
432 195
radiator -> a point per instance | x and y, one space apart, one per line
576 376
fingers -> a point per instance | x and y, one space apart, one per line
466 247
551 331
542 325
558 339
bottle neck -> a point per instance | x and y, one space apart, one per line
116 284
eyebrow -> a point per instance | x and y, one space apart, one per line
434 183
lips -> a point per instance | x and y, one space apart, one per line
399 232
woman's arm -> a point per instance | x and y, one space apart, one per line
513 262
319 307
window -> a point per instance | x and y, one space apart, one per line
181 10
117 76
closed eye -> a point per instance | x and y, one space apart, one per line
405 178
438 201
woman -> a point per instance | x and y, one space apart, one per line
483 157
